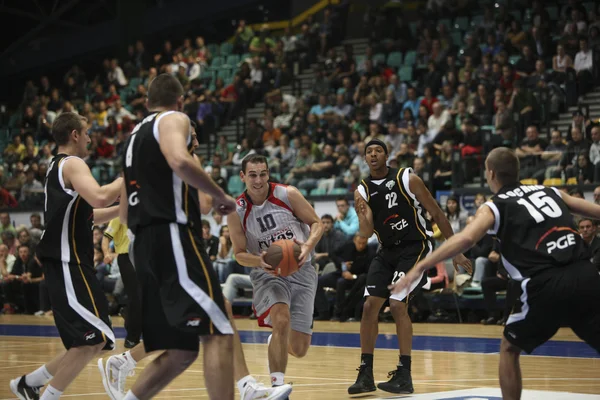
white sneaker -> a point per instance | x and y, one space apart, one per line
256 390
115 373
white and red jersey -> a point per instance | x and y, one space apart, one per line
272 221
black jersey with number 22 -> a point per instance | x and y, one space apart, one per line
536 230
397 214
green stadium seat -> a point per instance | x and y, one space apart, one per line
318 192
379 58
303 192
413 28
410 58
590 6
552 12
339 191
405 73
213 49
217 62
461 23
514 59
245 57
516 15
235 186
394 59
446 22
233 59
226 49
457 38
476 20
135 82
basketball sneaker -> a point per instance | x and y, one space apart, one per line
400 382
364 382
256 390
115 373
23 391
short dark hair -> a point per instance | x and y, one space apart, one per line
593 221
205 224
64 124
327 216
24 245
254 159
505 163
342 198
164 91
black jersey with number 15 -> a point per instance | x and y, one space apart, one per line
155 194
397 214
536 230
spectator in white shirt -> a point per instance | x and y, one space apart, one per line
576 20
583 66
284 119
118 111
394 138
437 120
341 107
374 108
116 74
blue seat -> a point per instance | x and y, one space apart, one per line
235 186
405 73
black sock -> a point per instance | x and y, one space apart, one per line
366 359
405 362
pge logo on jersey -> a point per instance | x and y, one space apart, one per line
561 243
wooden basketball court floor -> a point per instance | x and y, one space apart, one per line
450 361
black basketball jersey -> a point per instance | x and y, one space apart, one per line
69 220
535 229
155 194
397 214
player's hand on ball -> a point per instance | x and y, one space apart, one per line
305 251
224 205
463 262
265 266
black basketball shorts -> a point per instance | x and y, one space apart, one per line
181 294
391 264
561 296
79 305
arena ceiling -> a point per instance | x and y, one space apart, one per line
28 22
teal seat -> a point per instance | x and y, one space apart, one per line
552 12
379 58
413 28
217 62
360 59
339 191
514 59
303 192
244 57
224 73
410 58
226 49
97 173
457 38
476 20
516 15
318 192
394 59
405 73
213 49
275 176
135 82
235 186
461 23
446 22
233 59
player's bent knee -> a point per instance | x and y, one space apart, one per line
181 359
398 308
371 309
299 348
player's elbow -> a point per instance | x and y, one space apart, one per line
179 163
101 199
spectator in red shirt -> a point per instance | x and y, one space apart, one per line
112 95
104 148
507 80
7 199
429 100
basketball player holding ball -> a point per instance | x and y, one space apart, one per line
266 213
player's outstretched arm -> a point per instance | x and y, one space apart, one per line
454 246
581 206
104 215
77 175
306 213
238 239
204 199
174 131
365 216
424 197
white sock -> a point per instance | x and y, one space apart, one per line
39 377
277 378
51 394
128 356
128 396
241 384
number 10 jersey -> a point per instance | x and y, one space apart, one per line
536 230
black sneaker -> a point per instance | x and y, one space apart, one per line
130 344
364 382
400 382
24 391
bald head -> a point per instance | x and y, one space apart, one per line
504 163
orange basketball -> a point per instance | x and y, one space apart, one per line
283 255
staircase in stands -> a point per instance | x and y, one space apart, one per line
591 100
306 78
